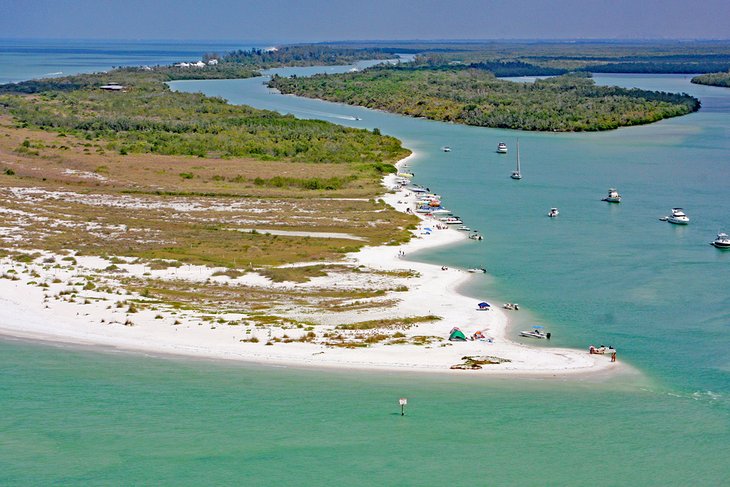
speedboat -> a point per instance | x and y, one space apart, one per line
452 220
440 211
722 241
553 212
678 217
536 332
511 306
446 148
476 270
464 228
501 148
475 236
613 196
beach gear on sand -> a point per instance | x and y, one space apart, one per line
457 335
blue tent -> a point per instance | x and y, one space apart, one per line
484 305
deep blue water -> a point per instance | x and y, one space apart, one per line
26 59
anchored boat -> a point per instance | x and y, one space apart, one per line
516 174
613 196
678 217
722 241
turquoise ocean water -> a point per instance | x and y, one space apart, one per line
599 273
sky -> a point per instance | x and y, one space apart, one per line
327 20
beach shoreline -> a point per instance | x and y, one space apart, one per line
28 313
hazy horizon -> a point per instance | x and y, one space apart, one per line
289 21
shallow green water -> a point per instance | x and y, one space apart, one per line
73 417
600 273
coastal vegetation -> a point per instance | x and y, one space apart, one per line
302 55
570 102
566 56
713 79
145 176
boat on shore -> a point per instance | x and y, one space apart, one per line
536 332
452 220
613 196
501 148
516 174
511 306
477 270
722 241
553 212
476 236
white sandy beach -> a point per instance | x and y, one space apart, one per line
92 317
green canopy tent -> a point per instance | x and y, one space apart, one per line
456 335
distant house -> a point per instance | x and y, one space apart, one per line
112 87
212 62
199 64
182 65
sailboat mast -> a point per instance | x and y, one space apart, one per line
518 156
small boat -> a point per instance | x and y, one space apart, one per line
440 211
446 148
536 332
553 212
678 217
452 220
464 228
613 196
501 148
476 236
722 241
517 174
476 270
511 306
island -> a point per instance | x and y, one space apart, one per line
141 218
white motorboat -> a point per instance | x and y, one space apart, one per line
477 270
464 228
722 241
536 332
476 236
501 148
516 174
511 306
613 196
446 148
553 212
452 220
678 217
440 211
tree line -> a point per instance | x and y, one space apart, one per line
567 103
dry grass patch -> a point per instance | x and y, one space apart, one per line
393 323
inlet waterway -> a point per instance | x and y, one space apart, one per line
599 273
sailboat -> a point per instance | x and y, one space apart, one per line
517 174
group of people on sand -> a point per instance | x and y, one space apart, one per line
603 350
